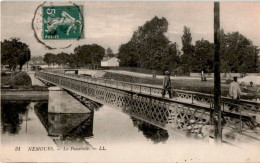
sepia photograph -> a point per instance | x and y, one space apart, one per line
130 82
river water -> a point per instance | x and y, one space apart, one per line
25 121
107 133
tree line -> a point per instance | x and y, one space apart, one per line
16 53
88 56
149 48
237 54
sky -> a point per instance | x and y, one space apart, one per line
111 24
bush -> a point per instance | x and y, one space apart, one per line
20 79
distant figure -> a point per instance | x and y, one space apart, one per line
167 85
203 77
251 83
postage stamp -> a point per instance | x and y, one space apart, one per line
58 25
62 22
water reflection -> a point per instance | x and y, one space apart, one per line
12 116
77 130
66 129
152 132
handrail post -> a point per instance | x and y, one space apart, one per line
240 119
80 86
192 98
59 80
150 91
211 113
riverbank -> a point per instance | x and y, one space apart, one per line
24 94
19 87
16 79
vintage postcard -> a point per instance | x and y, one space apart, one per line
130 81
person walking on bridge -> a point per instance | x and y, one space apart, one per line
234 90
235 93
167 85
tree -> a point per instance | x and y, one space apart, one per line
89 55
15 53
187 49
72 60
49 58
82 55
109 53
203 57
256 59
175 55
62 58
148 47
186 39
238 54
128 55
96 53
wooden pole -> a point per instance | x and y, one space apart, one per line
217 86
255 49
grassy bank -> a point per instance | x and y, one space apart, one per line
144 71
16 80
138 70
20 81
191 84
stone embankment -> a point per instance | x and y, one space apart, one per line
23 86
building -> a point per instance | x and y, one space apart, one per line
110 62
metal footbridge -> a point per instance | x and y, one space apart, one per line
188 111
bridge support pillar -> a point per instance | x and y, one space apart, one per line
62 102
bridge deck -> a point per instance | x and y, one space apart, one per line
186 111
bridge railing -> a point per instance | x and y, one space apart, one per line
187 96
161 112
233 112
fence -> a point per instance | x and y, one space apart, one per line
225 75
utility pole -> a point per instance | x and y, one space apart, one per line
256 55
217 85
